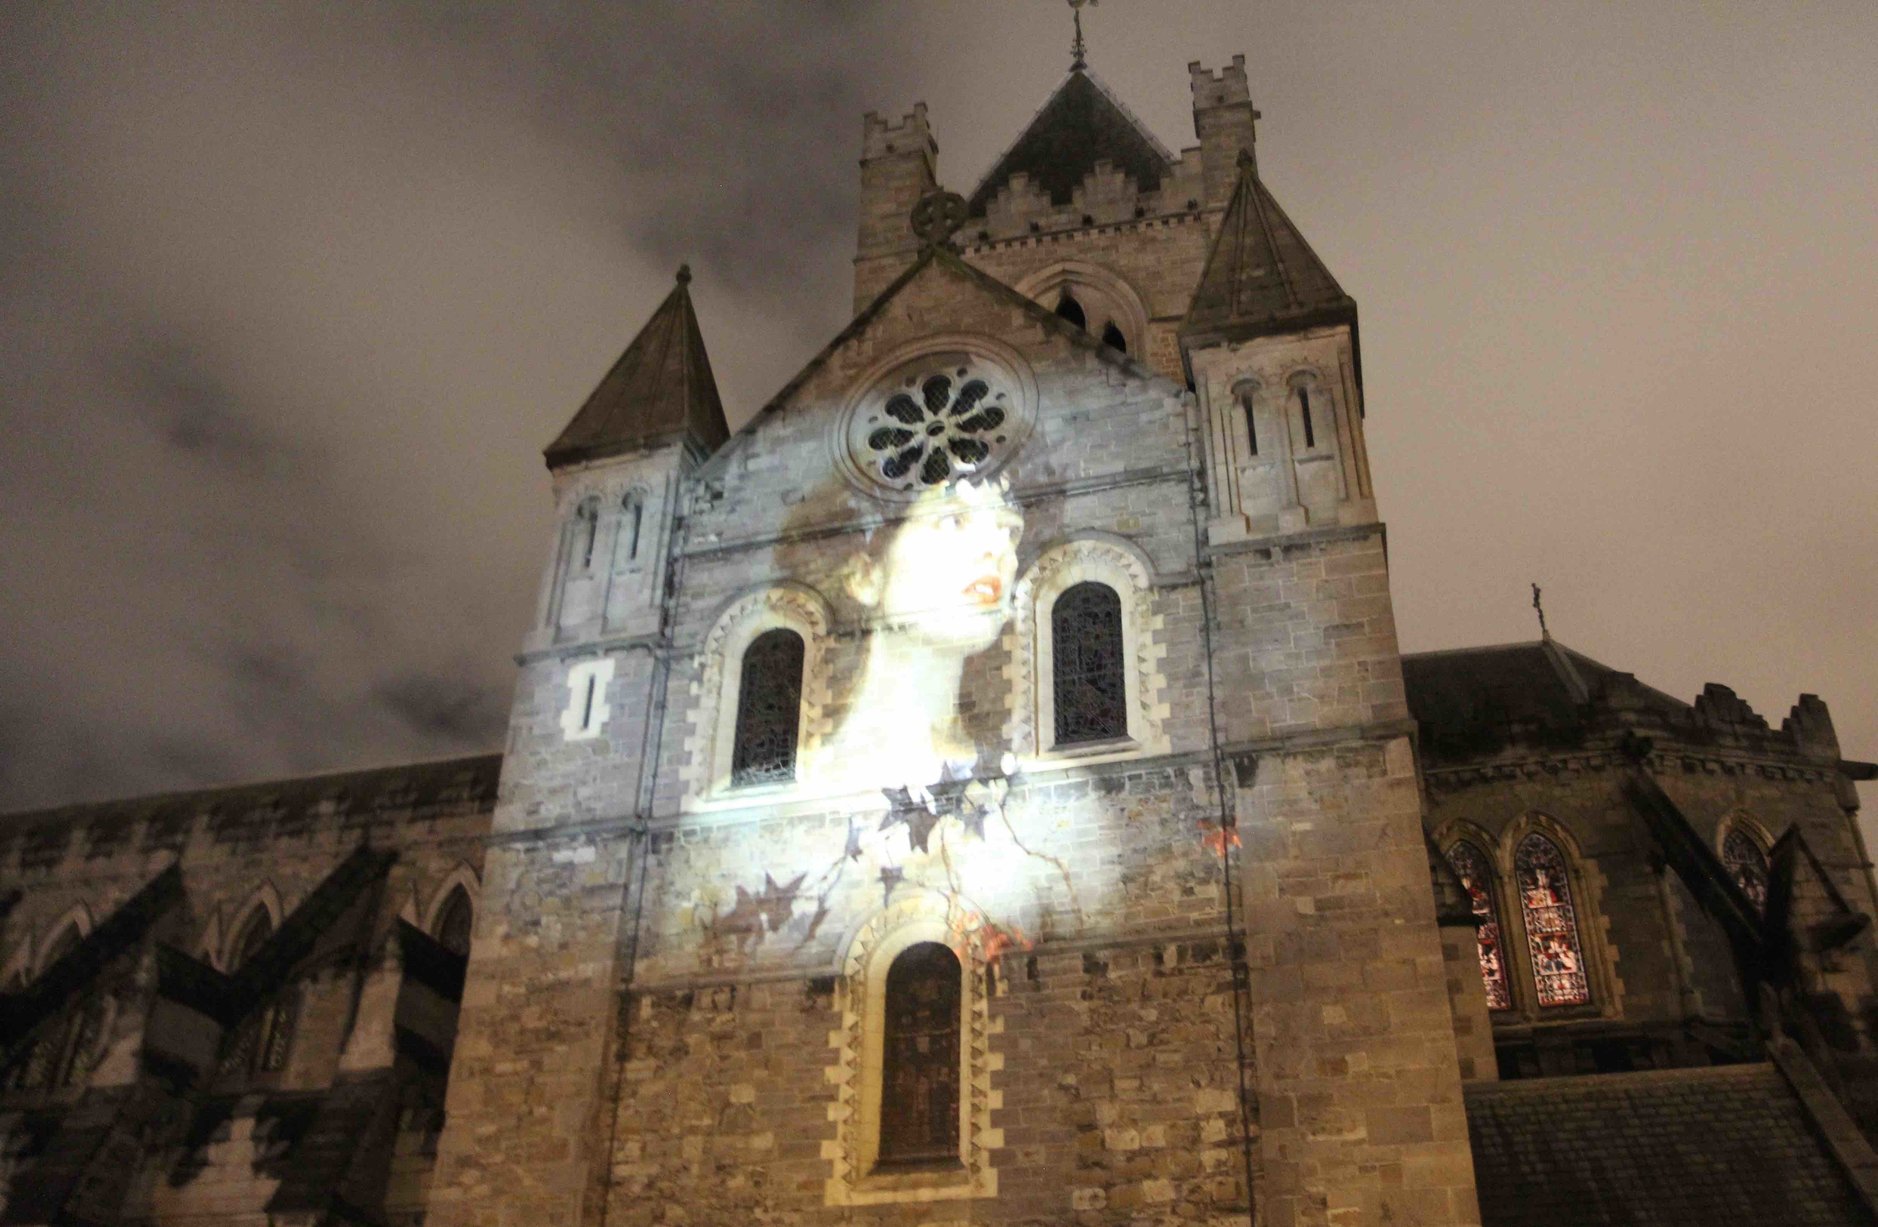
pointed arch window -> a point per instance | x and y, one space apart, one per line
1068 308
1113 338
456 920
632 517
586 532
1087 665
769 710
261 1043
1552 937
919 1105
1471 867
65 1051
1747 864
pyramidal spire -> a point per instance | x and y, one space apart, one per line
660 390
1261 276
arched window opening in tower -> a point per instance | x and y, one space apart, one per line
1113 338
1251 423
1470 866
769 710
1747 864
1552 939
1304 411
455 921
1087 665
920 1058
635 510
587 529
1068 308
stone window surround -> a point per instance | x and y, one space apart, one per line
1741 820
29 958
858 1043
1104 295
464 875
1118 565
263 897
1594 930
710 745
1014 374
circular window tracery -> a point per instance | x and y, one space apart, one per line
938 419
933 429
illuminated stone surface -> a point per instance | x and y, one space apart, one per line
1214 959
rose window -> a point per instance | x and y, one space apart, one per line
932 429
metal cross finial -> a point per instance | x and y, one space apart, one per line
1078 61
1545 635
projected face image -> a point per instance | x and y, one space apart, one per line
950 574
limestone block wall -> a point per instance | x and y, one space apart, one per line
1359 1087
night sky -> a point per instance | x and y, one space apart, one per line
291 297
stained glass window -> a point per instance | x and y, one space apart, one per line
455 920
261 1043
1088 671
1470 866
769 710
1748 865
919 1099
1545 901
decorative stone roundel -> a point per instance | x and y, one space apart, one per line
951 416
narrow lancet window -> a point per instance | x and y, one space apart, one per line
769 710
1747 864
920 1057
261 1044
1251 423
634 509
1304 411
455 921
1113 338
1552 939
1068 308
586 532
1470 866
1089 673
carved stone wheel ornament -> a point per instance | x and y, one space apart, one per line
937 217
932 425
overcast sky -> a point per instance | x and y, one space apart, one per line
292 297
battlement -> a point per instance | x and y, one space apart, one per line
912 134
1222 88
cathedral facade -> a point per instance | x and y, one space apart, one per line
985 788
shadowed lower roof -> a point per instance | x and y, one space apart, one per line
1080 125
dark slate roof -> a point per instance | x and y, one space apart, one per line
1261 276
1729 1144
1080 125
1472 700
660 389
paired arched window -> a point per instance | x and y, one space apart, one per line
1552 939
769 710
1069 309
456 919
260 1046
1088 667
1747 864
1113 338
1471 867
920 1056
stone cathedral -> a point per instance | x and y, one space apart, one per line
985 788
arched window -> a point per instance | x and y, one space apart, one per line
455 921
1088 670
1113 338
261 1044
1470 866
62 945
769 710
1303 393
1545 902
1068 308
1747 864
919 1103
586 532
632 515
1251 422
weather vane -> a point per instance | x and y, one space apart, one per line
1545 635
1077 59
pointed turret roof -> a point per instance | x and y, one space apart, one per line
660 389
1262 277
1080 125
